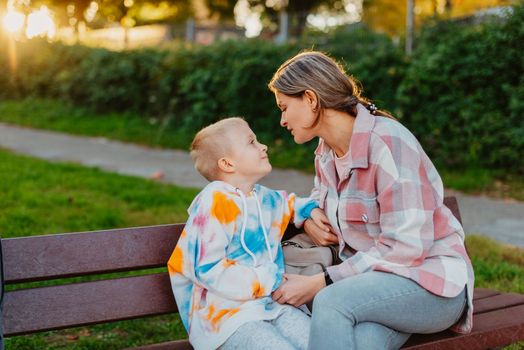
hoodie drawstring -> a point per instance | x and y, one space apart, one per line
243 229
266 238
244 223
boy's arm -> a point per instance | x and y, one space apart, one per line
204 252
300 209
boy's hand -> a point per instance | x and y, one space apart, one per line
319 228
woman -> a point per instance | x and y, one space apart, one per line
404 265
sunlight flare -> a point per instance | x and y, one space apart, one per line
40 23
13 21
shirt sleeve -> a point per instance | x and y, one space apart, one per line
407 203
204 252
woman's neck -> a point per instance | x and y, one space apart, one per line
336 129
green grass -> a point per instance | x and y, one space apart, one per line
63 117
39 198
492 183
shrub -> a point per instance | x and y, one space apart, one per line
463 94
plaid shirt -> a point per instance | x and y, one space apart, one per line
388 211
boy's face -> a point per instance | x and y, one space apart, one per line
248 156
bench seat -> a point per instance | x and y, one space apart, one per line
498 318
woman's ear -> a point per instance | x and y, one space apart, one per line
226 165
311 98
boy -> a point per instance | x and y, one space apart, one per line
229 259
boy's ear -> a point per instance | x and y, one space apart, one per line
226 165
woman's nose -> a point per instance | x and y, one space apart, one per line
283 122
264 147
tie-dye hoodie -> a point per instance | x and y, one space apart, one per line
228 259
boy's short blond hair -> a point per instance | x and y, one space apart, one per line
212 143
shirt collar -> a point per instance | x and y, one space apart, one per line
359 144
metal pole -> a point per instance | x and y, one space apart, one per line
283 24
409 26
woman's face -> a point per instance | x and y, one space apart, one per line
297 115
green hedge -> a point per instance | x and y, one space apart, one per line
461 93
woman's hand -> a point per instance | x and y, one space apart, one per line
319 229
297 290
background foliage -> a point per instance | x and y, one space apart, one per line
461 93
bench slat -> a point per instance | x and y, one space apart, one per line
481 293
452 204
78 304
43 257
497 302
171 345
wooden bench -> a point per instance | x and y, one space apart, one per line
498 320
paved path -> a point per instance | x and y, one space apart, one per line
498 219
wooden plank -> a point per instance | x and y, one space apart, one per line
65 306
501 301
77 254
172 345
480 293
452 204
490 329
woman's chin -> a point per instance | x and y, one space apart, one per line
300 140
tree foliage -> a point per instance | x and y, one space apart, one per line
389 16
297 10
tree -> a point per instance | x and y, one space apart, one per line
297 11
223 10
389 16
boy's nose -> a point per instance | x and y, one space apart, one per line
264 147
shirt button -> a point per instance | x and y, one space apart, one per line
365 218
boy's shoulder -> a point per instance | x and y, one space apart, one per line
271 196
209 193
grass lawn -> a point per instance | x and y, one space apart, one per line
58 116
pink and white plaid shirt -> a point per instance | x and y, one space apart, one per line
388 211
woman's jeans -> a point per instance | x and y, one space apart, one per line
377 310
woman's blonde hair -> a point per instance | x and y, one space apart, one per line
316 71
212 143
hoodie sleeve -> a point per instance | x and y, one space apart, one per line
207 262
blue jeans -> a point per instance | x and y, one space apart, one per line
377 310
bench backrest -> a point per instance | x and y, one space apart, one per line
51 257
